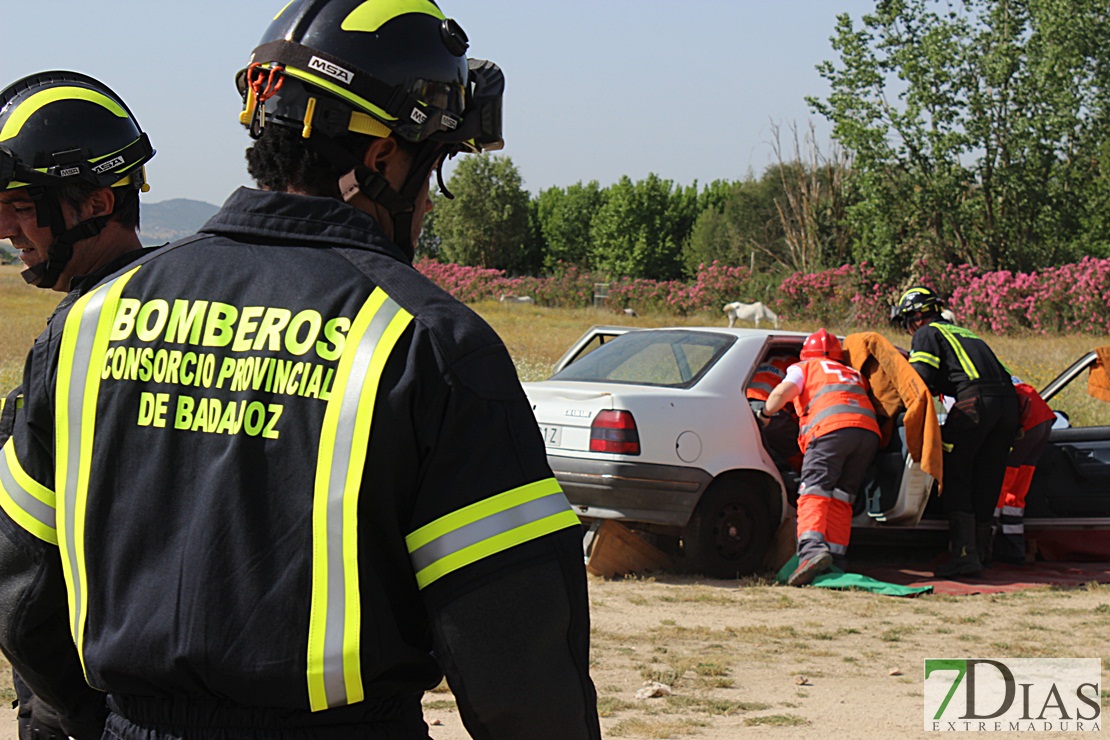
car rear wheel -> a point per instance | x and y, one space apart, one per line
729 532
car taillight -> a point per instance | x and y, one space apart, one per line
614 431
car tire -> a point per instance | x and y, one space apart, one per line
729 532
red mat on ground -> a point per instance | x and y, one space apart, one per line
995 579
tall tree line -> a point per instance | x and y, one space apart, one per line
964 131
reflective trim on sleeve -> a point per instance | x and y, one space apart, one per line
28 503
488 527
925 359
84 343
334 661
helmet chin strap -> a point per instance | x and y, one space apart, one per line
45 274
401 205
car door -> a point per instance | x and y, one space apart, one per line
1072 478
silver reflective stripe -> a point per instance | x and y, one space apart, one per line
762 387
837 495
333 651
26 506
836 549
1013 529
451 542
335 625
812 535
841 408
1013 511
79 373
831 387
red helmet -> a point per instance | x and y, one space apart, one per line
822 344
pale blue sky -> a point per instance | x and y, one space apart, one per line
595 89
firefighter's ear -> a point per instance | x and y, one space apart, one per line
100 202
382 156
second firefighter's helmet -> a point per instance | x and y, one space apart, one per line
917 300
62 127
372 67
822 344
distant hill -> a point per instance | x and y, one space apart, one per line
7 253
172 219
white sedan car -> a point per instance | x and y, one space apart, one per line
652 427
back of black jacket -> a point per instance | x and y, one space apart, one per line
288 470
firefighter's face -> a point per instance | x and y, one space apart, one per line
19 224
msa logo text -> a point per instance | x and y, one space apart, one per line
69 172
331 70
418 115
111 164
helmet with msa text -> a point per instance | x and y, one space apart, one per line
821 344
59 129
915 302
330 68
66 126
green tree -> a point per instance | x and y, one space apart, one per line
972 125
564 216
487 222
640 228
743 224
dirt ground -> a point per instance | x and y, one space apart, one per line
749 658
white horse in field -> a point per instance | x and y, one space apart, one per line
754 312
508 298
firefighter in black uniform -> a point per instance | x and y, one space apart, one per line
978 430
71 170
291 482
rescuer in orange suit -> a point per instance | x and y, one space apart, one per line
1036 423
839 437
780 434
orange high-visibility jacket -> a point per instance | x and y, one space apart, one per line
768 375
834 396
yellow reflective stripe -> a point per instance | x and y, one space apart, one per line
29 503
961 355
925 358
912 291
347 95
334 661
84 343
37 101
488 527
373 14
283 9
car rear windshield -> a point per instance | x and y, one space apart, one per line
671 359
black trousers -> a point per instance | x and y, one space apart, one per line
977 436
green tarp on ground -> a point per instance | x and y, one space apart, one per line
837 578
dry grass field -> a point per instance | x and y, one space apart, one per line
747 657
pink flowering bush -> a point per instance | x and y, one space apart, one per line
1068 298
846 295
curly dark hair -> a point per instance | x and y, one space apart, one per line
283 160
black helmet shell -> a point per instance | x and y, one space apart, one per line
402 61
66 124
917 299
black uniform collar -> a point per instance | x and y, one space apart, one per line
299 220
81 283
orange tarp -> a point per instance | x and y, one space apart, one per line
896 386
1098 382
